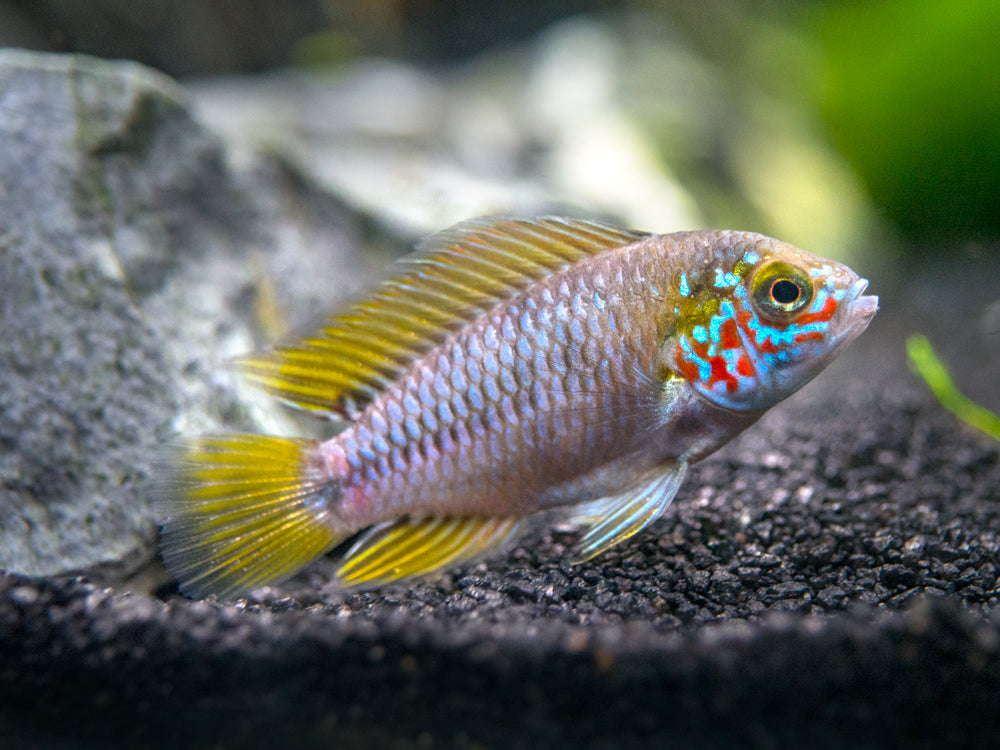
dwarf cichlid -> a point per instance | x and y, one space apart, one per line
511 366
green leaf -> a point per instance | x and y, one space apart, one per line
925 361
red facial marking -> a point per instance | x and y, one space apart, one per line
829 308
719 372
808 336
744 367
688 369
729 336
768 347
744 320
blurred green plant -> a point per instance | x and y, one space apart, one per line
325 49
926 363
911 96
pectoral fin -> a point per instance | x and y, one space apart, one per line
413 547
244 511
614 519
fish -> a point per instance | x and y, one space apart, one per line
508 368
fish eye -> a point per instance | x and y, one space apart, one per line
780 289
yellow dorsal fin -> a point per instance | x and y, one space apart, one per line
406 547
451 278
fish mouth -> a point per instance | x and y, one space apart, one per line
860 309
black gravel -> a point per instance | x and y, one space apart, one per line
828 580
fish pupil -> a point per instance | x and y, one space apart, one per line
785 291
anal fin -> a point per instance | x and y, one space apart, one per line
408 547
614 519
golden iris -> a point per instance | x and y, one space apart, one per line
780 289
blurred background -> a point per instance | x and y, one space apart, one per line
866 131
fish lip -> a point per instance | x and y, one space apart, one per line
862 304
860 309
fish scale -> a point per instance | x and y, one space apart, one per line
512 366
497 374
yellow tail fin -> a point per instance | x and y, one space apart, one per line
243 511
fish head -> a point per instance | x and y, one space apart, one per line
759 318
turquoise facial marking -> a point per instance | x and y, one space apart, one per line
821 272
725 280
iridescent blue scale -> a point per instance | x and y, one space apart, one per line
491 390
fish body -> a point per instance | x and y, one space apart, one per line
512 366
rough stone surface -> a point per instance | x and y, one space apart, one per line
131 254
85 392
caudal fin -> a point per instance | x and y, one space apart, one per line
243 511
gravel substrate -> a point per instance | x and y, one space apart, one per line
822 582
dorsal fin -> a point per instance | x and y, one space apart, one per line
452 277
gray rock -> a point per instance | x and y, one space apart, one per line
132 259
85 389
